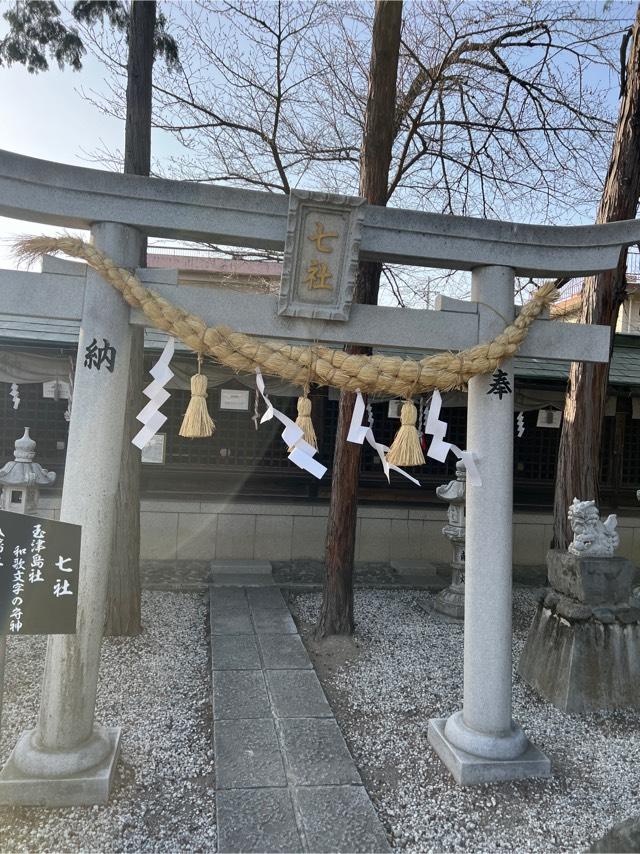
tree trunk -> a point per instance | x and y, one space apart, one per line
137 132
602 296
336 613
123 602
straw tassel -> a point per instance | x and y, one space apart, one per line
304 421
197 423
406 449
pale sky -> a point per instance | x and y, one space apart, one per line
45 115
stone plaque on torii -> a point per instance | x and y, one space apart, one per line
68 759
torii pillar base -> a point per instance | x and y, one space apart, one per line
46 787
471 770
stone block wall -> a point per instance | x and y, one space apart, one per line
183 530
195 531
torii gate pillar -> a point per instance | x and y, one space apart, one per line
67 759
482 743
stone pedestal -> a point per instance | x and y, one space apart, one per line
469 769
591 580
450 601
77 786
582 652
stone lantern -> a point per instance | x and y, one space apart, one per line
450 601
21 478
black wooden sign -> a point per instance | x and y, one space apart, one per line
39 560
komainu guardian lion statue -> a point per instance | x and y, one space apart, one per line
591 536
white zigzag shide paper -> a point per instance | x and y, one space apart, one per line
150 415
302 452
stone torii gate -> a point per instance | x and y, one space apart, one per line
68 759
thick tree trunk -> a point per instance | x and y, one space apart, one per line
336 613
137 132
602 296
123 603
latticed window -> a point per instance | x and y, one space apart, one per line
607 450
536 451
631 455
235 442
327 435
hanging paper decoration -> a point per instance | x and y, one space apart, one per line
406 449
197 423
15 395
301 453
256 410
67 414
520 424
549 417
438 449
422 421
358 433
56 389
150 416
370 414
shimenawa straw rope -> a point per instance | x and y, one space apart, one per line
384 374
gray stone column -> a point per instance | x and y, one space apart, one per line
481 743
66 759
489 552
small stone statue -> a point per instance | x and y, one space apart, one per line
582 652
591 536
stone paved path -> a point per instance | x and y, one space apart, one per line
285 780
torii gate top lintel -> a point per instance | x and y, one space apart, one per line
77 197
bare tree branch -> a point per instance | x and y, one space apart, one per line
497 114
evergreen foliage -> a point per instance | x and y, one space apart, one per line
37 31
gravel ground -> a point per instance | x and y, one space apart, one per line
157 688
406 667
